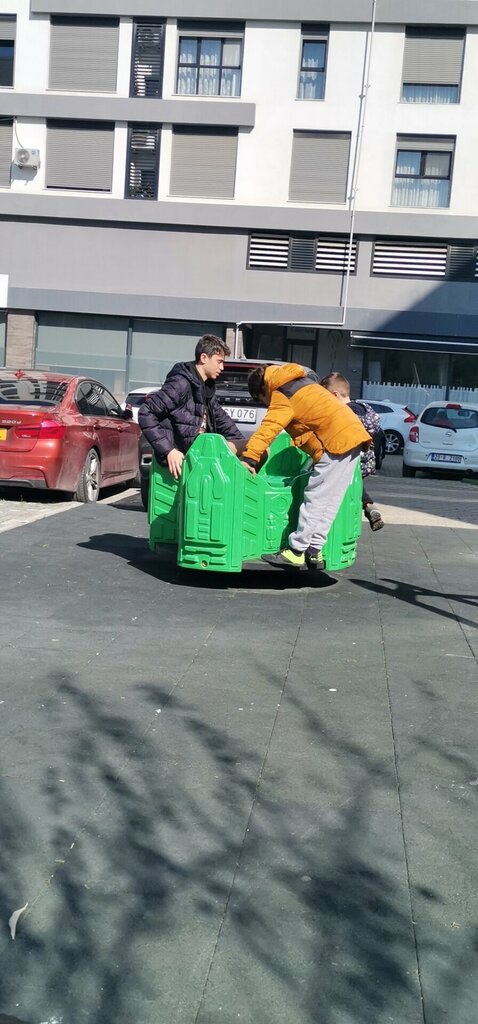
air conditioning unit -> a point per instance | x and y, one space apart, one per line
27 158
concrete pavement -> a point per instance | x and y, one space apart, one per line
245 798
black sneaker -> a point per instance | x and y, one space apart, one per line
313 559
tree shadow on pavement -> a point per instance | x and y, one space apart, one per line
420 597
159 848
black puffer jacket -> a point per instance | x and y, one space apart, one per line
172 417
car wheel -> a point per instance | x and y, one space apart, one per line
145 492
393 442
408 470
90 479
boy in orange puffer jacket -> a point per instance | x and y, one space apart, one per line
329 432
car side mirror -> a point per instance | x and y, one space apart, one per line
128 413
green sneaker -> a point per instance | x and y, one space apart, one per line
313 559
286 559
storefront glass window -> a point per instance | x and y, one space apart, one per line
77 343
158 344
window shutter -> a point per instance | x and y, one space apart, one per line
143 161
203 163
319 167
302 253
6 140
79 155
433 58
84 54
8 27
148 59
269 252
332 256
407 259
210 29
461 262
428 143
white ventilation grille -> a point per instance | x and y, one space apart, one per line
401 259
332 256
269 252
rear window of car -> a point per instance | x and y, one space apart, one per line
451 418
136 400
31 391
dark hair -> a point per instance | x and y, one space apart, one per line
211 346
335 382
255 382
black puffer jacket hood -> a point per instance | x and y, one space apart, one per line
172 417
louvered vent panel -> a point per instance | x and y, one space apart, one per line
405 260
461 262
143 162
302 254
332 256
148 59
270 252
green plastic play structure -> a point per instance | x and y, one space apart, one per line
219 516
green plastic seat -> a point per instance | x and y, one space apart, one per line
220 516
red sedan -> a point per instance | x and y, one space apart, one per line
64 433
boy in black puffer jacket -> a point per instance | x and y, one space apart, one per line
186 406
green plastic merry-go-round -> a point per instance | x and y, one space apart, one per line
219 516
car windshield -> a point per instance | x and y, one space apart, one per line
451 418
31 391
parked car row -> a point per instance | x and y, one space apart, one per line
69 433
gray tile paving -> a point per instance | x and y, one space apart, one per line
247 798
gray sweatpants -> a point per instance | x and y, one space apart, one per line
323 495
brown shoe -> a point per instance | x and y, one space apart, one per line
374 518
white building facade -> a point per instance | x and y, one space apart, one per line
297 177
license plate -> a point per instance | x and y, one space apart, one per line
446 458
3 433
242 415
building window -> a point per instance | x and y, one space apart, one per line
312 62
423 172
143 162
147 62
87 344
84 54
203 162
432 65
79 155
7 48
319 167
6 143
210 62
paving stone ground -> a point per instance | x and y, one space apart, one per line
243 798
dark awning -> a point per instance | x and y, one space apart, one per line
410 343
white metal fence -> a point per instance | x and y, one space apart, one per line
416 396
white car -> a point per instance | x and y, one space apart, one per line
136 398
445 436
395 419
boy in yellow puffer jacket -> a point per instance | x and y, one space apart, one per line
329 432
